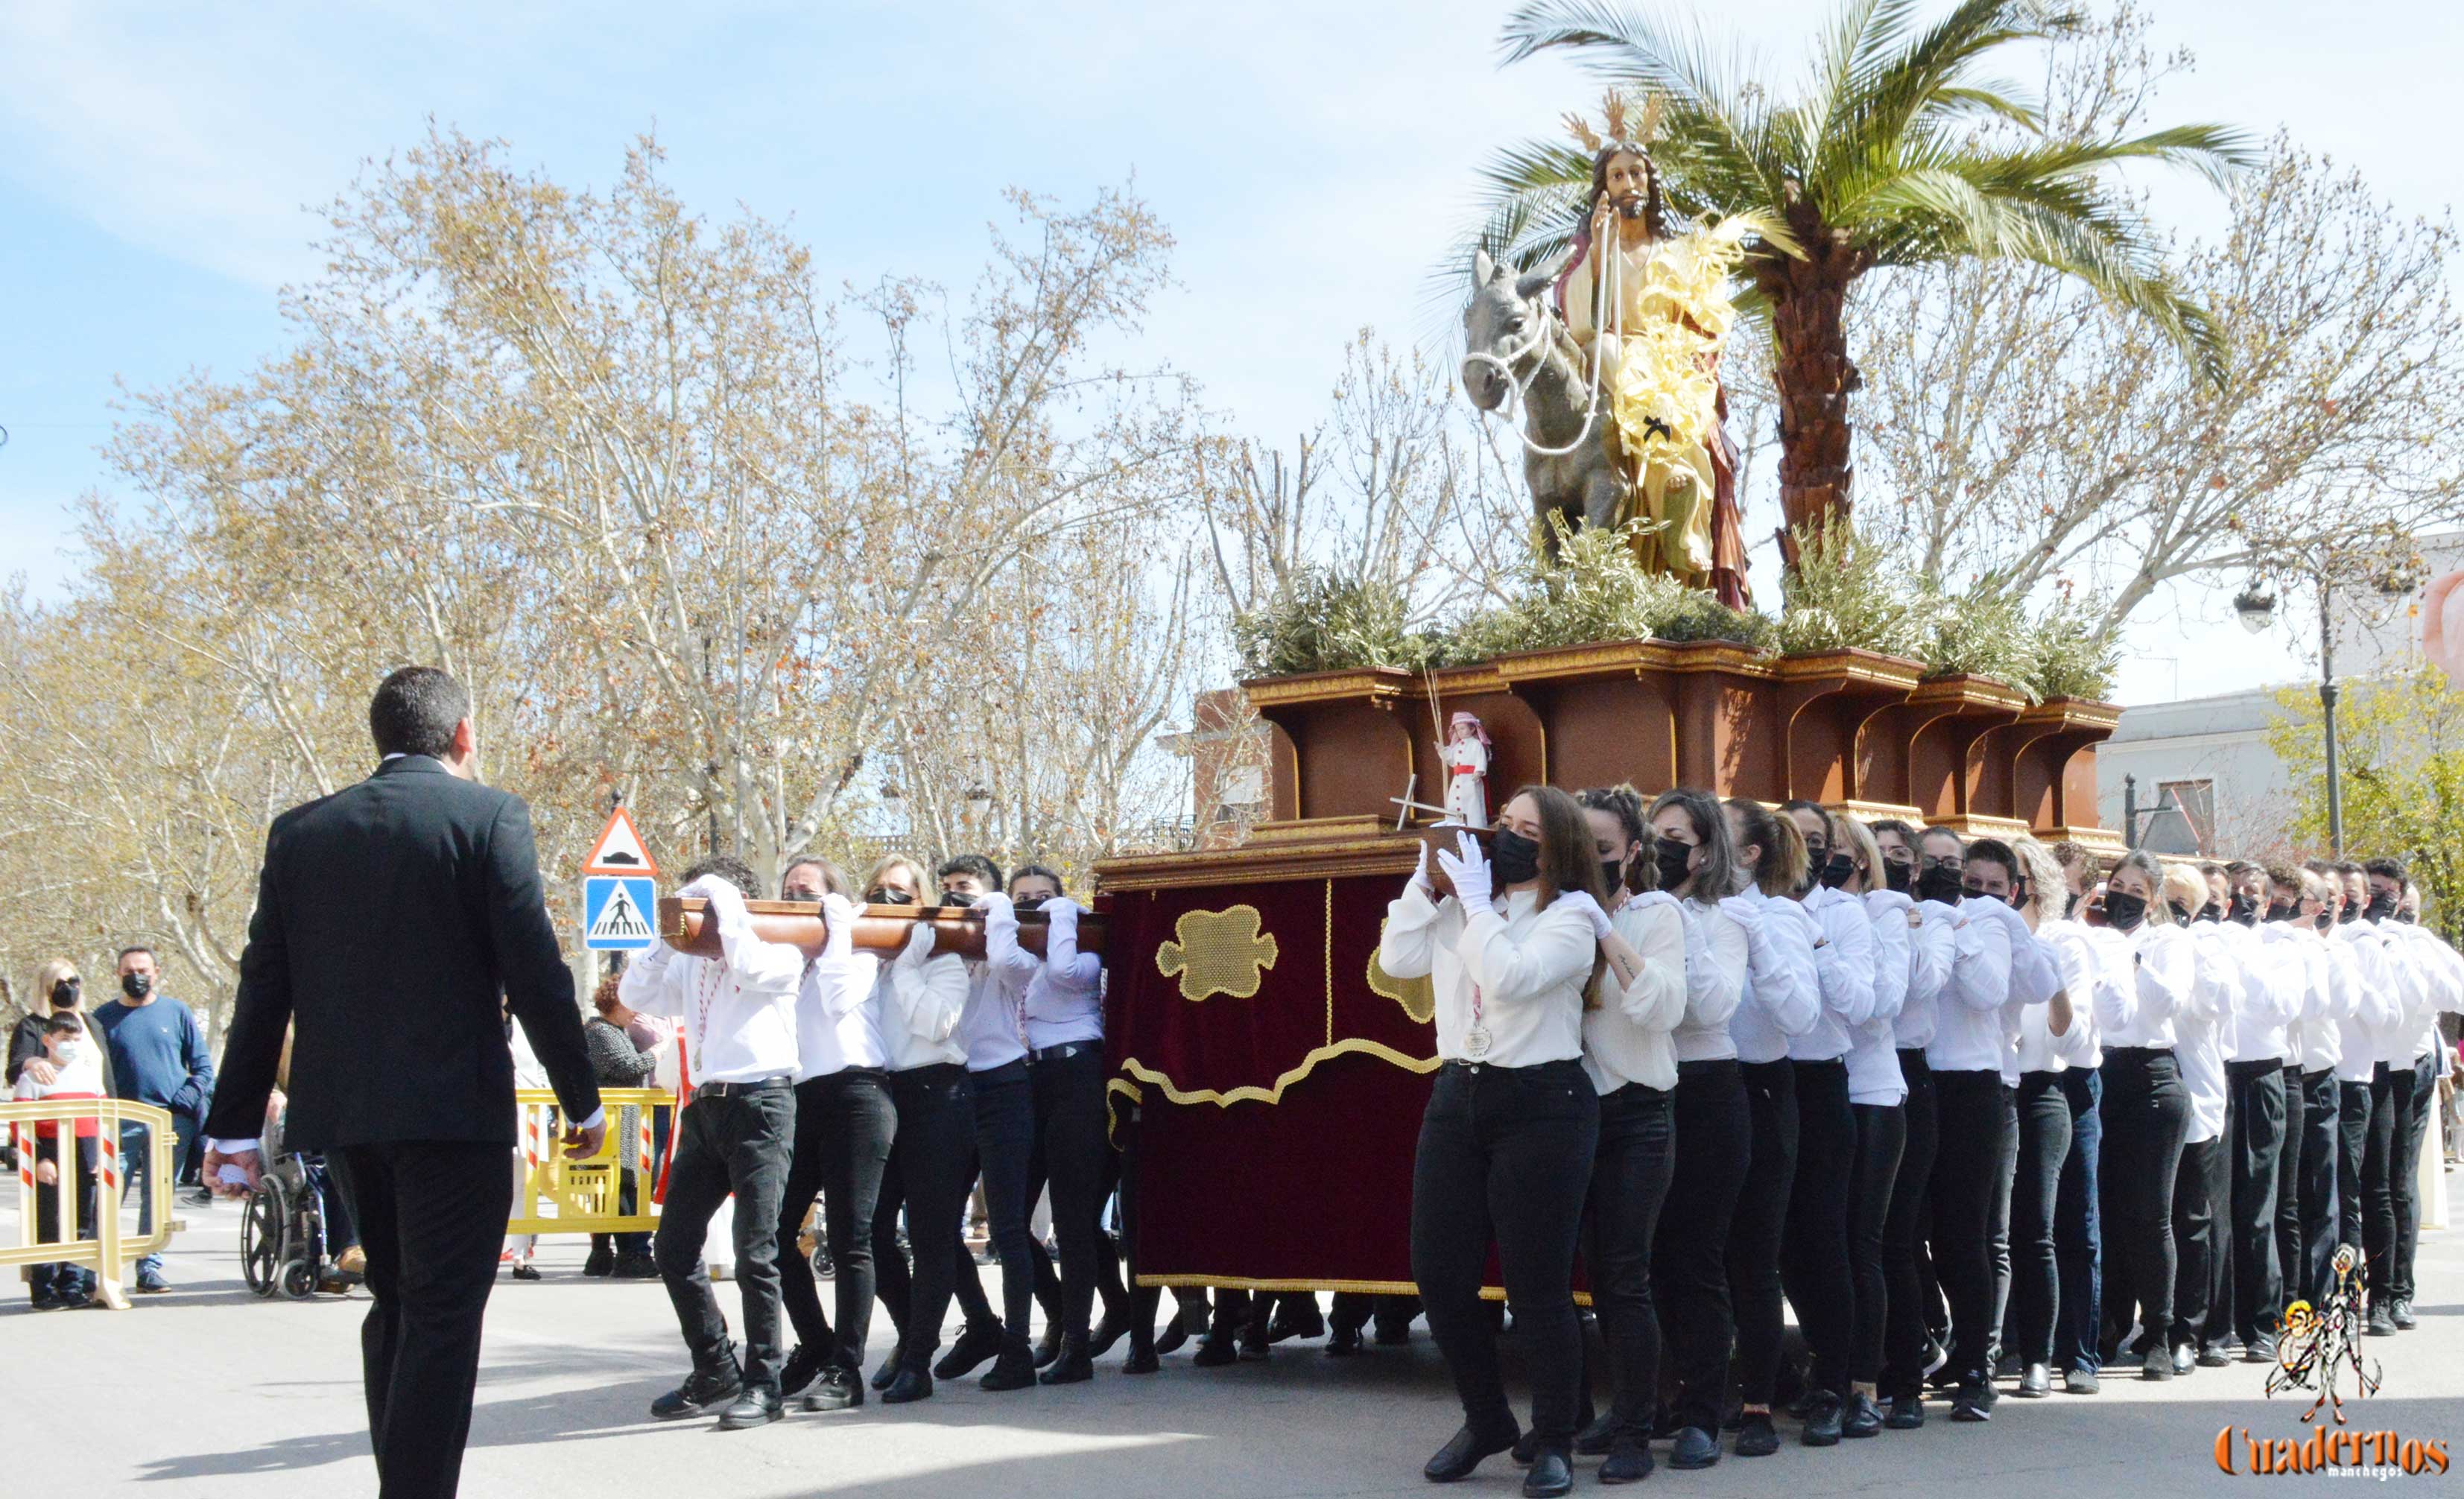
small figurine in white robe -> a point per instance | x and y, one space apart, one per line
1467 772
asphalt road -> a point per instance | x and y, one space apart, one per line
210 1392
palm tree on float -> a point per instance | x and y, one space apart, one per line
1879 162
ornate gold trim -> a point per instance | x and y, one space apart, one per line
1976 825
1879 811
1251 1093
1257 863
1553 662
2101 839
1305 830
2074 713
1370 684
1856 665
1365 1288
1211 953
1975 692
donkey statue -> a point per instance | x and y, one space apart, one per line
1513 337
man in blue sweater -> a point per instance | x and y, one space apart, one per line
157 1056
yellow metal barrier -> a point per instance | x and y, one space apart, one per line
109 1252
581 1196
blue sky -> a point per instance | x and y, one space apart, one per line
1311 158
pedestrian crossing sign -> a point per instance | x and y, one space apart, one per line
616 912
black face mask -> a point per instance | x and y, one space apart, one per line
2381 908
64 994
1671 860
1612 875
1839 871
2125 910
886 898
137 985
1514 859
1939 884
2181 911
1028 902
2070 907
2211 914
1971 892
1897 875
957 899
2350 913
2323 922
2281 911
2405 916
2244 909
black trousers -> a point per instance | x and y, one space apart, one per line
1881 1136
2420 1102
1903 1229
2323 1136
2006 1176
931 1167
1814 1244
1689 1254
1966 1169
2356 1110
2146 1114
1505 1157
2201 1190
2044 1144
2254 1142
60 1278
845 1124
737 1144
1630 1169
431 1216
1754 1233
2289 1238
2391 1100
1070 1146
2078 1234
1004 1146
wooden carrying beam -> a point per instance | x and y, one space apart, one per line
684 925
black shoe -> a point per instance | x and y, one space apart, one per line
1595 1438
2211 1355
840 1388
1694 1448
2382 1320
1938 1371
1343 1342
1072 1367
1392 1335
1175 1334
1214 1353
1108 1330
48 1301
1463 1452
1047 1348
802 1366
2185 1360
1526 1448
1907 1413
883 1376
1142 1359
1972 1403
1629 1460
524 1269
2035 1383
1862 1418
1551 1476
711 1384
2261 1349
1822 1416
1013 1367
2157 1365
603 1257
2081 1381
2401 1313
754 1407
1755 1435
977 1342
636 1265
1309 1323
912 1384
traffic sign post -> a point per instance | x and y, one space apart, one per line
620 849
616 912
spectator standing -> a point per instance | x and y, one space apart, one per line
622 1061
71 1067
157 1056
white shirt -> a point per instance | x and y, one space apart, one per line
2076 958
1874 1075
740 1008
1626 1035
993 1026
1064 999
1967 1014
838 1007
1783 996
2269 997
2378 1003
1844 966
2139 1013
1714 989
1933 945
919 996
2199 1030
2442 976
1523 969
2315 1035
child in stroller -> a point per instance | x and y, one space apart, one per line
296 1235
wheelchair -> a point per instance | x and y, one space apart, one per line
284 1241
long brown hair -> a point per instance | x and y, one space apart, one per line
1567 860
1782 864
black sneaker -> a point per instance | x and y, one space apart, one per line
1693 1448
635 1267
2260 1349
1972 1402
754 1407
601 1260
2382 1320
2079 1381
803 1366
1756 1437
1013 1367
707 1388
977 1342
2157 1365
2401 1313
1823 1411
838 1389
1907 1413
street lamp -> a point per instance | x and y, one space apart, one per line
2257 607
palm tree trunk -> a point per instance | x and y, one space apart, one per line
1811 367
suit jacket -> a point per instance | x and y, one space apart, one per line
392 919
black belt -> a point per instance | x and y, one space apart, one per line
1013 1071
1066 1048
737 1090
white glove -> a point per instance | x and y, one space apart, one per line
1744 913
1656 897
837 925
996 907
726 901
920 938
1062 911
1420 874
1468 869
1581 900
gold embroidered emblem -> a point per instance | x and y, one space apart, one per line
1418 996
1218 952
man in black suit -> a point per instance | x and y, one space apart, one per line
397 922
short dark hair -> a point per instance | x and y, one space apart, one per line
1037 871
1715 874
2348 868
731 868
1993 850
138 947
415 709
2284 874
2385 869
63 1026
1936 830
975 863
2240 867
